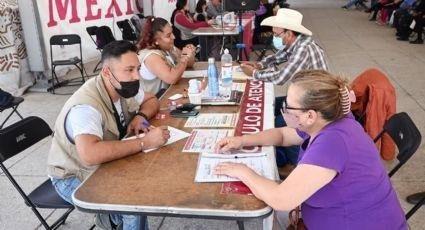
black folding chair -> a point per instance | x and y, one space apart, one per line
100 36
12 105
127 31
91 30
406 136
62 41
138 22
261 49
15 139
418 205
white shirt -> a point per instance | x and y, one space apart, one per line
85 119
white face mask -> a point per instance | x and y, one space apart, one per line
278 42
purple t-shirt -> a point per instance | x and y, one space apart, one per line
361 195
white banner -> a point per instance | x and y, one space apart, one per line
73 16
163 8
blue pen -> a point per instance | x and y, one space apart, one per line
146 124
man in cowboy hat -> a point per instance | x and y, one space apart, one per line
299 51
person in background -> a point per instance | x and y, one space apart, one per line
419 17
161 62
214 8
91 124
200 11
185 24
339 181
354 2
298 52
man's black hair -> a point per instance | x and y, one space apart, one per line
117 48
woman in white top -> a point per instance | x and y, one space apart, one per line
161 62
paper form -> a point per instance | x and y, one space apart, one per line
204 140
194 73
211 120
175 135
238 74
207 162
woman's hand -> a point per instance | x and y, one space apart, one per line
228 143
235 170
189 50
210 22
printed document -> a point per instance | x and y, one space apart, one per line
175 135
204 140
194 73
207 162
239 75
212 120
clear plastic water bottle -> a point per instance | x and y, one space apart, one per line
226 73
212 78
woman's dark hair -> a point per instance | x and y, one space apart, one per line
151 27
199 6
180 4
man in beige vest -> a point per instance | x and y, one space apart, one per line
96 117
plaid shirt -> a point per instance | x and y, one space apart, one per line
302 55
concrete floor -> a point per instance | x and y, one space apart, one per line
352 44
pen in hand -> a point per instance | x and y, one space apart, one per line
147 125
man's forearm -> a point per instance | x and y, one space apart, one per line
95 151
150 107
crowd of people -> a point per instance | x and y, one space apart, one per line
336 164
406 16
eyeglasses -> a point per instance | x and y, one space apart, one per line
285 108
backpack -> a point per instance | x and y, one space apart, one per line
138 22
127 30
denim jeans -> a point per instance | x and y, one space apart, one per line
65 188
289 154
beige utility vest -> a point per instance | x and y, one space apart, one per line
63 160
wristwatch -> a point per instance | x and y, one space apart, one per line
143 115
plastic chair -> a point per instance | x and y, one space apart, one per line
127 31
62 41
12 105
406 136
15 139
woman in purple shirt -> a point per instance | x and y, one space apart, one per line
340 181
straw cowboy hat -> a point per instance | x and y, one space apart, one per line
287 19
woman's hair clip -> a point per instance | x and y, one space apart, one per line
347 99
152 19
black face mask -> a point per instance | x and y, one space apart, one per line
128 88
